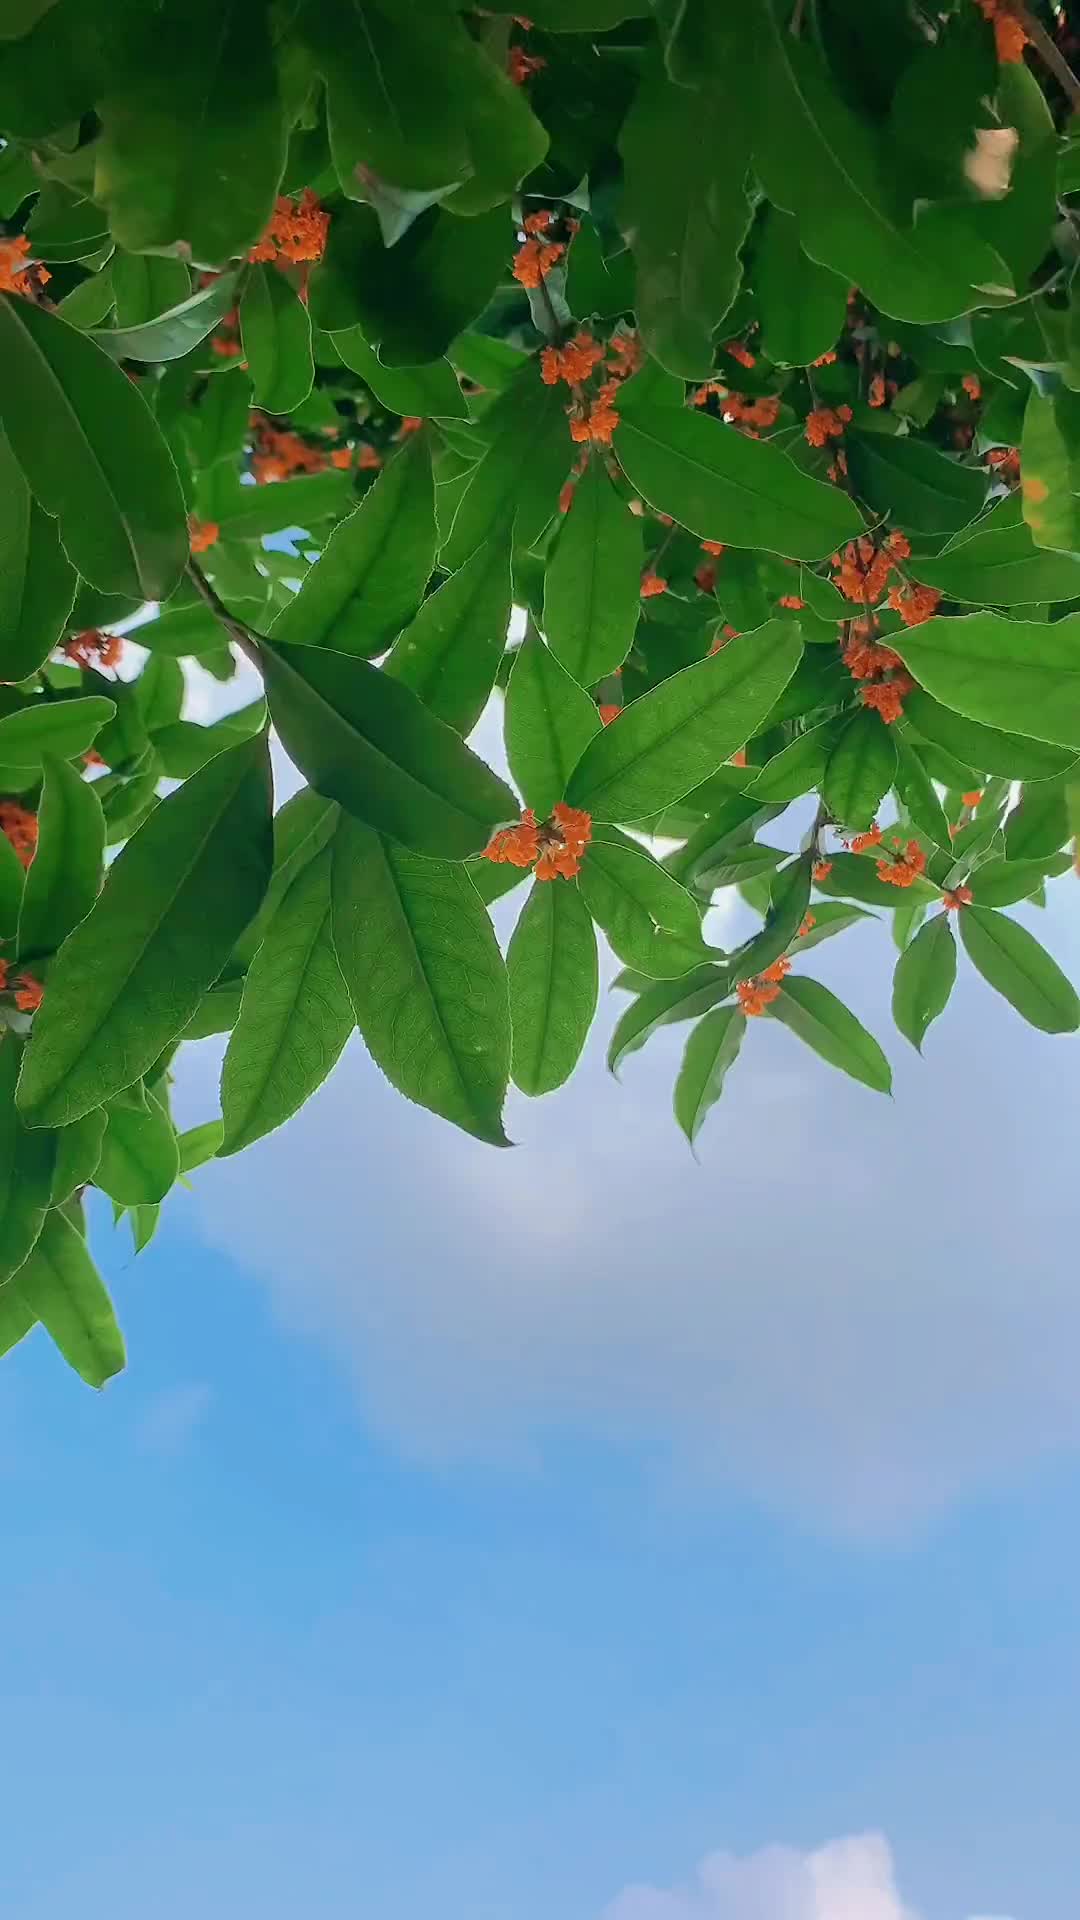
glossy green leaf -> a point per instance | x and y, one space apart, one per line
140 1160
1022 675
426 978
996 563
37 581
366 741
927 492
860 770
989 748
722 486
829 919
924 979
665 1003
853 876
650 921
818 160
101 468
200 1144
370 580
797 767
1011 960
1040 824
27 1160
295 1016
1050 468
684 211
918 795
711 1050
1002 883
412 299
502 488
449 655
193 136
62 1288
823 1022
302 827
591 585
789 899
276 333
553 975
426 392
677 735
65 874
47 729
549 723
132 974
78 1151
173 332
803 305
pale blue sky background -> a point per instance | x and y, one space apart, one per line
504 1536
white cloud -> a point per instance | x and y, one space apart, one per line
849 1879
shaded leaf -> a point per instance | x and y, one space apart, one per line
860 770
591 585
924 979
65 875
27 1160
276 333
449 655
549 723
712 1048
37 581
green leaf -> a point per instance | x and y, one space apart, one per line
302 827
988 748
797 768
37 581
100 466
788 902
171 334
144 285
65 874
712 1048
549 723
426 978
860 770
591 586
1050 451
1040 824
78 1151
1011 960
16 1319
370 579
200 1144
852 874
193 138
276 333
831 1029
924 979
664 1004
918 795
554 981
817 160
52 729
27 1159
1001 883
678 734
417 101
140 1159
996 563
803 305
132 974
449 655
144 1223
685 213
722 486
62 1288
295 1016
650 921
411 300
1023 675
288 503
830 919
925 491
364 740
424 392
501 486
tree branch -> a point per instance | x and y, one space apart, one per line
1049 52
246 638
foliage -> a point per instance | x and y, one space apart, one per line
738 349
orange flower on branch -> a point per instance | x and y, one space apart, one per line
705 578
297 230
957 898
825 424
972 386
573 363
94 649
864 841
601 419
715 547
1006 463
20 828
791 600
736 351
608 714
15 277
821 869
905 868
28 992
535 258
556 846
651 585
809 921
760 992
914 604
887 696
1009 36
202 534
876 395
972 799
521 65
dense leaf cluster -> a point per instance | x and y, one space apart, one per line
736 348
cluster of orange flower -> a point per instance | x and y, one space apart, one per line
556 845
14 276
866 660
521 65
1006 464
1009 36
822 869
536 256
608 714
900 869
863 570
956 898
760 992
27 990
297 230
94 649
278 453
572 363
20 827
826 423
202 534
593 417
652 584
737 410
225 339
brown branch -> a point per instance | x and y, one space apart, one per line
246 638
1049 52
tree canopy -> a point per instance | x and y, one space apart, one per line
700 381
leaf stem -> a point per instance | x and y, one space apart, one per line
246 638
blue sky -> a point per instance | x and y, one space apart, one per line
574 1531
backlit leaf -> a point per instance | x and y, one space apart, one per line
554 980
924 979
449 655
65 874
1011 960
549 723
591 586
1019 675
711 1050
62 1288
832 1030
860 770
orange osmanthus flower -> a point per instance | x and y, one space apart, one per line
972 386
15 277
825 424
1009 36
556 846
876 395
201 533
573 363
791 600
1006 462
28 992
887 696
905 868
608 714
821 869
521 65
705 578
297 230
760 992
914 604
863 841
715 547
809 921
94 649
972 799
736 351
651 585
957 898
20 828
535 258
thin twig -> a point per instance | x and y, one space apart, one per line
1048 50
795 27
246 638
